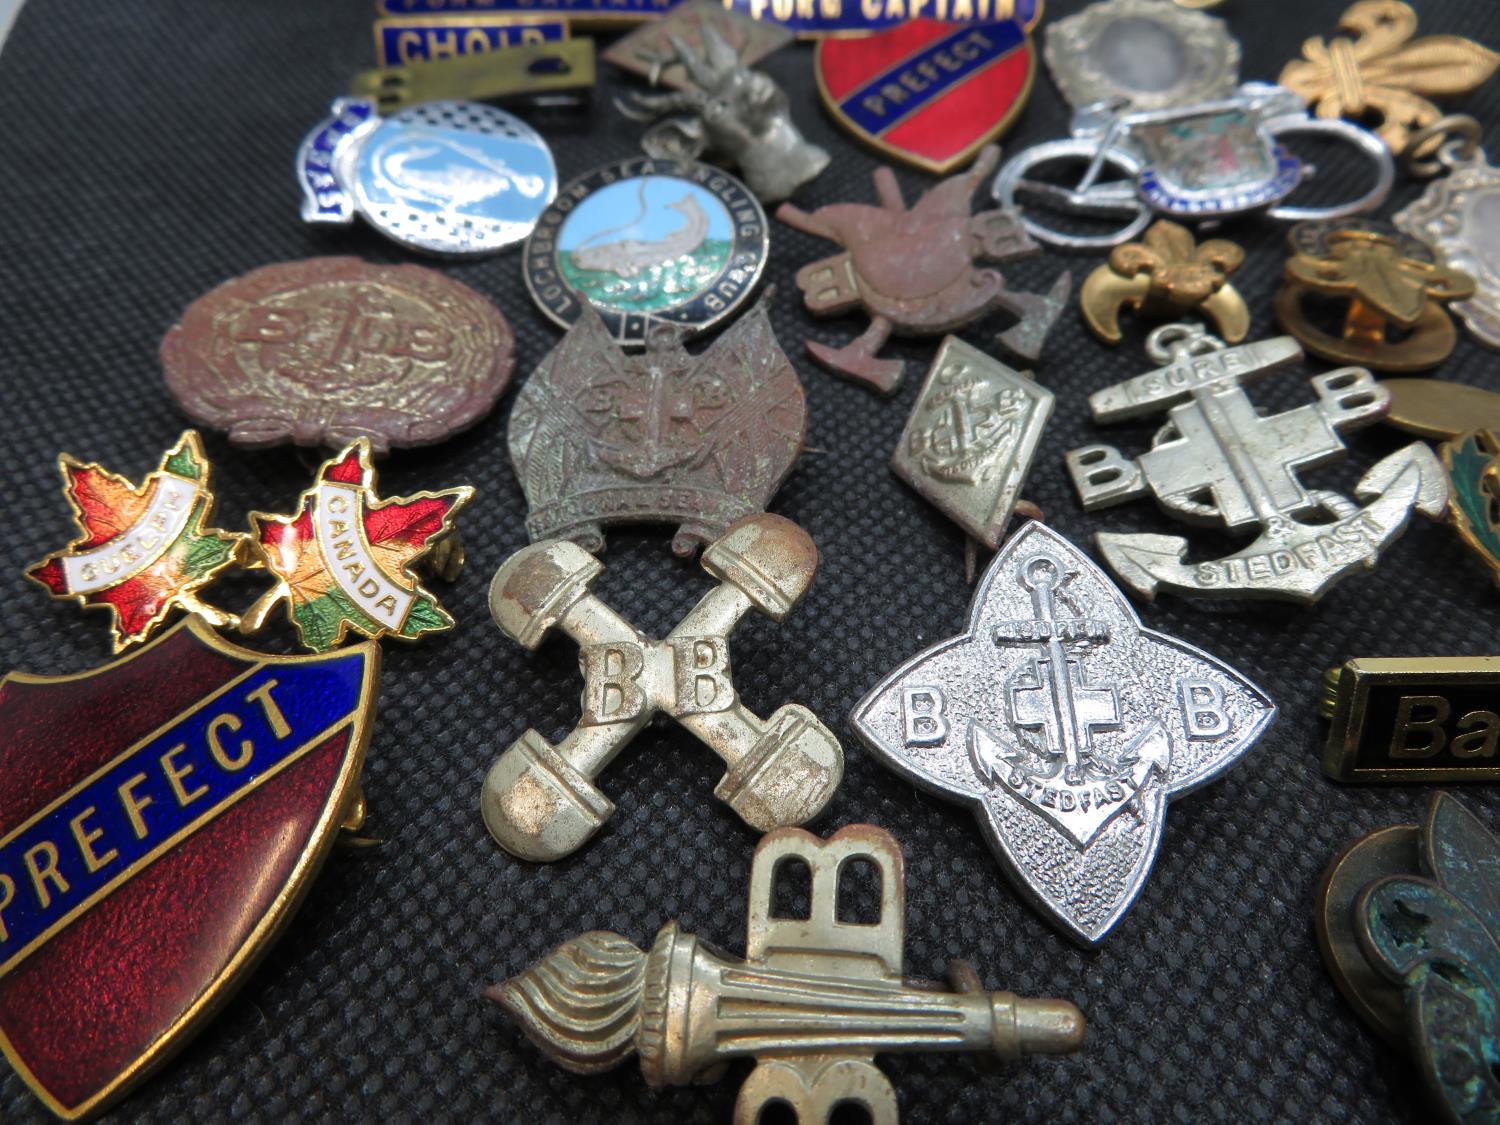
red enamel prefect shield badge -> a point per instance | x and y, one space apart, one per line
929 93
160 819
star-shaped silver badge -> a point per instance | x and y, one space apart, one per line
1067 724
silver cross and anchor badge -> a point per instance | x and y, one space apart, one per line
540 802
1066 724
1219 462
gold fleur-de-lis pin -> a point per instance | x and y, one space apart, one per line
1383 71
1166 276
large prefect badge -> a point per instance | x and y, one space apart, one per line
930 93
161 817
1068 726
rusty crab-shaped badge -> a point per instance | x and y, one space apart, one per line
915 271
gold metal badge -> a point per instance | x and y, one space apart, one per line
1167 275
1438 409
1384 71
1413 719
551 71
1390 281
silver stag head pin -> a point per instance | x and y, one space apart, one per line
729 114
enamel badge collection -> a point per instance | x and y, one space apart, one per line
211 751
225 775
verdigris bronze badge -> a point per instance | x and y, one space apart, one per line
600 437
324 351
1410 932
813 1001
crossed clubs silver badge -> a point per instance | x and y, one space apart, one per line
1066 724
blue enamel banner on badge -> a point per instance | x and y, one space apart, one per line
315 162
179 779
408 42
1005 38
805 17
622 8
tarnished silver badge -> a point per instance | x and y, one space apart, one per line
971 437
1460 215
540 801
442 177
1151 53
599 437
1219 461
1066 724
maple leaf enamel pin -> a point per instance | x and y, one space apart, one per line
143 549
344 560
1066 724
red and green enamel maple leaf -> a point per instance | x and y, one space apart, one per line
343 561
143 550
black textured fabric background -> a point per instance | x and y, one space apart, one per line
146 155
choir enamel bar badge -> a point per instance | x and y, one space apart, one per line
1066 724
929 93
160 819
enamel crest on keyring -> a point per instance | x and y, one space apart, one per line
1219 461
444 177
1194 162
1066 724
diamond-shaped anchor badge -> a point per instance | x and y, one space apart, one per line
1068 726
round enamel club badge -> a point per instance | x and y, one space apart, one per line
648 242
929 93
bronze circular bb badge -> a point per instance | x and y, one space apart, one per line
326 350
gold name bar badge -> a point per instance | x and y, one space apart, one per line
1413 719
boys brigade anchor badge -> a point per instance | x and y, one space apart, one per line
928 93
1068 726
162 817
